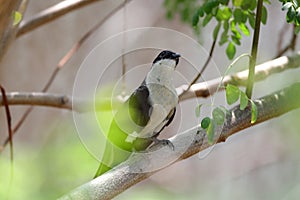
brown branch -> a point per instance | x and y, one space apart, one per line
64 60
7 29
290 46
51 14
262 71
37 99
190 142
202 70
8 120
284 29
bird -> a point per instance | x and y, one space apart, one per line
140 119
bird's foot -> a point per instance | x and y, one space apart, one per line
163 142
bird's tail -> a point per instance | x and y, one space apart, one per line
102 169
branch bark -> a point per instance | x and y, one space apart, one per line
262 71
7 30
192 141
51 14
38 99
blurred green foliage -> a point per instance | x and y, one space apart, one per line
233 18
49 171
293 12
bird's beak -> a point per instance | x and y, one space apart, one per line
176 57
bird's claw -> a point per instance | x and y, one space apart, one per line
163 142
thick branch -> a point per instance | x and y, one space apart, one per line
194 140
51 14
262 71
38 99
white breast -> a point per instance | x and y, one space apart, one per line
162 94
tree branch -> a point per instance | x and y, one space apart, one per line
38 99
51 14
192 141
7 29
203 89
64 60
290 46
262 71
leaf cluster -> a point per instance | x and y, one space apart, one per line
233 95
234 17
293 12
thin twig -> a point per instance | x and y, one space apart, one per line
65 59
8 120
281 35
186 144
8 31
249 88
262 71
51 14
203 68
290 46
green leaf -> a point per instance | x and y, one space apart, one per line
239 16
206 19
290 15
244 29
297 29
226 26
248 5
264 15
224 2
232 94
224 38
210 131
253 112
298 16
243 100
224 13
17 18
210 5
230 50
287 6
236 40
195 20
198 110
216 31
199 13
205 122
237 3
218 116
251 20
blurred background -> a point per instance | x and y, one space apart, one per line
261 162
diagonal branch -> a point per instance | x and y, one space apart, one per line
262 71
193 141
64 60
51 14
7 29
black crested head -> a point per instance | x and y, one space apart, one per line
167 55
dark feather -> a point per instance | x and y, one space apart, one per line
139 106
